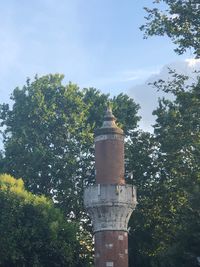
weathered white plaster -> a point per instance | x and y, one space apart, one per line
109 246
109 136
112 208
120 237
109 264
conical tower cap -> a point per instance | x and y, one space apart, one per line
109 126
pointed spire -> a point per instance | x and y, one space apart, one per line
109 119
109 126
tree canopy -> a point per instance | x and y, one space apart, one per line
168 217
48 137
48 141
179 20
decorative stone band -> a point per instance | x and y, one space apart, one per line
110 206
108 130
109 136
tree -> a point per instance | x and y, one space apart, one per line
177 131
48 140
179 20
33 232
141 171
175 215
48 137
165 227
44 138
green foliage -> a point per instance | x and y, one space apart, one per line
33 232
164 229
125 110
48 141
48 136
180 21
171 222
141 171
177 130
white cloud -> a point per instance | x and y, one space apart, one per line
193 62
147 96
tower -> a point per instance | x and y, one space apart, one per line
110 201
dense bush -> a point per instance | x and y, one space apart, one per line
33 232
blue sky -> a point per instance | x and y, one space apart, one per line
92 42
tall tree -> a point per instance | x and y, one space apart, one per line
141 171
174 222
48 140
48 137
164 229
179 20
177 130
44 138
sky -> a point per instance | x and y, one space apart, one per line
94 43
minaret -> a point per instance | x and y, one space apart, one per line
110 201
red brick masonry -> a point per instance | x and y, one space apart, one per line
109 161
111 249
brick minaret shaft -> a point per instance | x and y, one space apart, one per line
110 201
